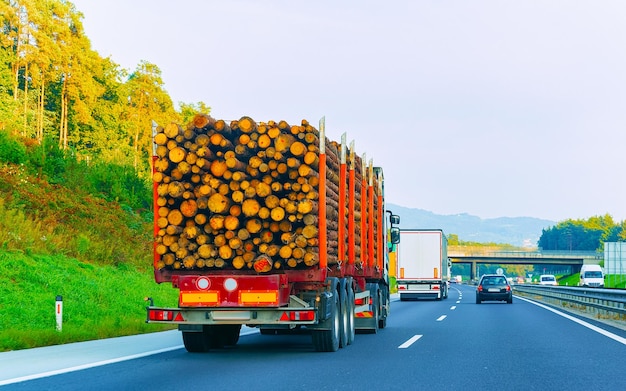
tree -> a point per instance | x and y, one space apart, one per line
188 110
581 235
147 100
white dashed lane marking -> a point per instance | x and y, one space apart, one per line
410 342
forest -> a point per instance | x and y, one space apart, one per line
60 97
54 88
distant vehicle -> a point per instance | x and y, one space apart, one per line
591 276
458 279
423 264
520 280
494 287
547 279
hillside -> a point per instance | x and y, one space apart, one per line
517 231
95 253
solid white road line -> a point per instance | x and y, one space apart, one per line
410 342
86 366
579 321
74 348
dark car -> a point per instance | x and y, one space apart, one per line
493 287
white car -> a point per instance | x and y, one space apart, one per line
547 279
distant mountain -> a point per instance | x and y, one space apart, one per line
518 231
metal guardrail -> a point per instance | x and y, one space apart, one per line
601 304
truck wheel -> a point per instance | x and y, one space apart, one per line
351 322
384 302
328 340
228 334
343 308
195 342
265 331
376 309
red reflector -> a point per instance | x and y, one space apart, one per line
359 301
436 287
303 315
401 288
295 316
179 318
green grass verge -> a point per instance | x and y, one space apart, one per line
99 301
611 280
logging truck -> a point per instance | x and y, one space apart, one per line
271 226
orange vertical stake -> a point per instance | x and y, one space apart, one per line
155 205
364 259
341 230
370 221
351 205
322 197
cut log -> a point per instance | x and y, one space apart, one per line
203 121
246 125
189 208
177 155
218 203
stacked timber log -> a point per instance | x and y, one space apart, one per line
245 195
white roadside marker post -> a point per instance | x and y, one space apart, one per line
59 312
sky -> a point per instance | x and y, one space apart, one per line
487 107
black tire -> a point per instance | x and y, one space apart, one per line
196 342
510 300
478 301
351 321
384 300
343 313
228 334
376 308
268 331
328 340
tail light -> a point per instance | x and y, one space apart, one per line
480 288
160 315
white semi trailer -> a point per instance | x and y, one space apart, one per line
423 264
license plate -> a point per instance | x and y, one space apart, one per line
493 290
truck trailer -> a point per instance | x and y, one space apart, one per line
271 226
423 264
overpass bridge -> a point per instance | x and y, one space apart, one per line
476 256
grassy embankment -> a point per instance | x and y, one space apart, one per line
96 254
611 280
